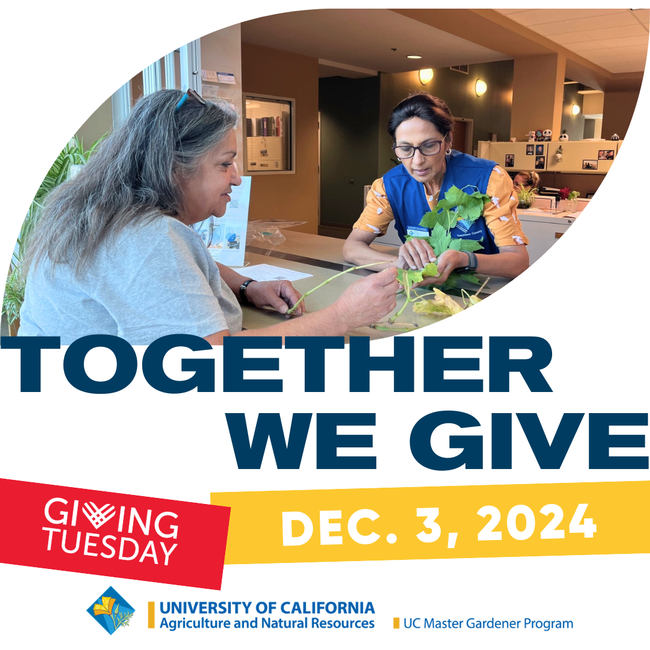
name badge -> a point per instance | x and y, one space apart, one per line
417 231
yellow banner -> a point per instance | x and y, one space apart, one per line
437 522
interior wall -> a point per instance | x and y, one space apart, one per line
491 112
574 125
349 111
618 109
268 71
537 94
137 88
221 52
593 103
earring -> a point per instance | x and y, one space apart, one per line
448 152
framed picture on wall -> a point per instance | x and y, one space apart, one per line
530 149
590 165
510 160
539 149
605 154
540 162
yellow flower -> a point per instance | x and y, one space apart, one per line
106 606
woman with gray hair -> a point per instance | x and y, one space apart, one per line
114 252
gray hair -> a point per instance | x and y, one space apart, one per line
132 177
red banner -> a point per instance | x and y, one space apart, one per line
109 534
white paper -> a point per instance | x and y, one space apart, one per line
263 272
209 75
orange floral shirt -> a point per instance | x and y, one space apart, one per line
500 214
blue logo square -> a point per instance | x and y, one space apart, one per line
111 611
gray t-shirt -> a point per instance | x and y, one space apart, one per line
154 279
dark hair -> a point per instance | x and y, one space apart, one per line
426 107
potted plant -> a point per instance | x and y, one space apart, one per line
571 199
526 196
67 163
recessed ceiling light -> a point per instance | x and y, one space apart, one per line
413 56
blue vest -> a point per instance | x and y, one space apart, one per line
409 204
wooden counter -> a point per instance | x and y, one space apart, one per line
322 257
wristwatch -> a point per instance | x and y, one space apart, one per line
242 292
471 267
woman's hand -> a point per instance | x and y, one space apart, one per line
278 295
368 300
449 261
415 254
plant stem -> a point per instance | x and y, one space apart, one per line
322 284
482 286
422 296
407 299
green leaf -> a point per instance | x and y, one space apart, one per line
429 220
413 276
470 277
430 270
448 219
469 245
471 210
455 244
455 205
439 240
456 196
451 281
444 217
446 204
471 206
484 197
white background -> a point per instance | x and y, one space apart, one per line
586 297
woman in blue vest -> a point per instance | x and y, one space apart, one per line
421 127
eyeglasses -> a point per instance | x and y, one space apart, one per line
194 95
430 148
